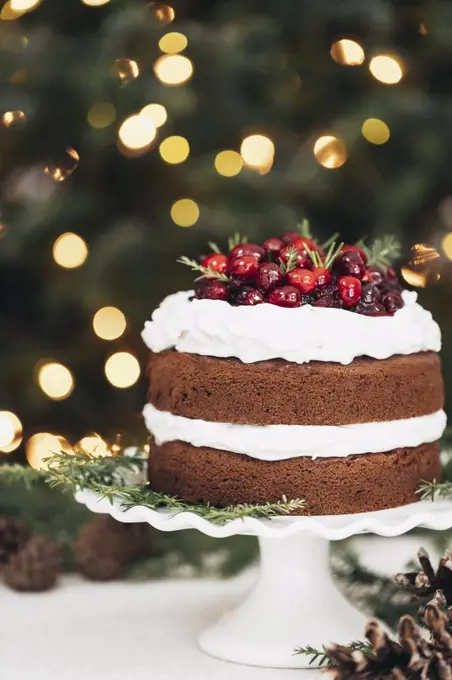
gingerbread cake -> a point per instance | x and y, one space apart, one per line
294 370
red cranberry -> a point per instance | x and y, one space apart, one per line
392 301
323 276
268 275
254 297
286 296
371 309
216 290
391 274
301 256
244 267
304 243
327 300
247 249
302 279
370 293
351 264
356 249
289 236
374 274
272 247
350 289
216 262
200 288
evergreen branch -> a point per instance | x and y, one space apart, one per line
235 240
205 271
291 262
304 228
434 490
361 243
11 473
213 247
329 241
320 657
383 251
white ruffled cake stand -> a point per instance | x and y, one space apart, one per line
295 602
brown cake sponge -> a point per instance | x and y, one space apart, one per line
330 486
278 392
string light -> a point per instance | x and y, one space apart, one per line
164 14
386 68
447 245
347 52
109 323
101 115
174 149
64 167
375 131
95 3
93 445
11 117
156 112
126 70
257 151
423 29
70 250
171 43
137 132
185 212
55 380
43 445
330 152
10 431
173 69
122 369
23 5
228 163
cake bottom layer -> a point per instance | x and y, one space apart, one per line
330 486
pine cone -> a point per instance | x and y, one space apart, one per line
104 546
13 536
35 567
427 583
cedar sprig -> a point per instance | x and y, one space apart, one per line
383 251
291 261
333 251
235 240
206 272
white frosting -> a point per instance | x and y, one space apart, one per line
277 442
307 333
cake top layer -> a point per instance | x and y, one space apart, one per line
305 333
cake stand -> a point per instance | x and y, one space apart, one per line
295 602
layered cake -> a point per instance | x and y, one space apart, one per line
294 370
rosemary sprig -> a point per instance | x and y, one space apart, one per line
205 271
382 251
333 251
304 228
434 490
213 247
13 472
291 261
235 240
320 657
329 241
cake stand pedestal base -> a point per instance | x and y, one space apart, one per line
294 601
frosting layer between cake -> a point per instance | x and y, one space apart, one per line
307 333
279 442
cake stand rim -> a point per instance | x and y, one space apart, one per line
435 515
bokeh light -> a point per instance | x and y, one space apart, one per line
12 117
43 445
347 52
7 13
173 69
137 132
156 112
330 152
10 431
122 369
70 250
386 68
95 3
174 149
375 131
415 278
423 253
62 167
257 151
55 380
23 5
164 14
101 115
447 245
126 70
228 163
109 323
93 445
171 43
185 212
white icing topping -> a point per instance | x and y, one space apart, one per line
277 442
215 328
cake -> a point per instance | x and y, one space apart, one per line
294 370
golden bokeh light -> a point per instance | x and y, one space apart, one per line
23 5
156 112
173 69
375 131
43 445
93 445
185 212
137 132
126 70
164 14
174 149
122 369
172 43
423 254
70 250
10 431
228 163
101 115
11 117
7 13
95 3
330 152
414 278
109 323
386 68
257 151
447 245
61 169
347 52
55 380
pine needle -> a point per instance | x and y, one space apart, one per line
213 247
383 251
329 241
206 272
